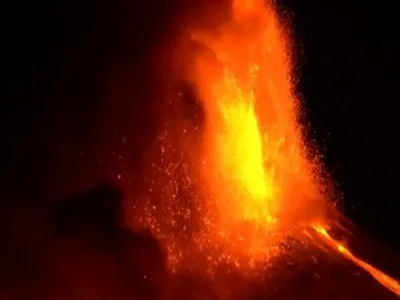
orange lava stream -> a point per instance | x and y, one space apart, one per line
381 277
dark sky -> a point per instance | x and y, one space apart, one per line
64 60
351 84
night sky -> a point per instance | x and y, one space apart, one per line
82 87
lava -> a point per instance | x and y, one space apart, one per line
262 182
381 277
250 183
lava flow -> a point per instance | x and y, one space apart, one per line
260 187
381 277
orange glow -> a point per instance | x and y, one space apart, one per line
381 277
256 165
236 191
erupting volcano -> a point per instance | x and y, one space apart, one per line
244 186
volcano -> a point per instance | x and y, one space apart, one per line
235 202
93 244
243 188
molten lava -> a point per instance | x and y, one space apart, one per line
262 181
381 277
259 186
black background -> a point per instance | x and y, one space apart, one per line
64 60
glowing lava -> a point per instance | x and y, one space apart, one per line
259 185
381 277
262 181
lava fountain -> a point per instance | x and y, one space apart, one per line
255 184
263 181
